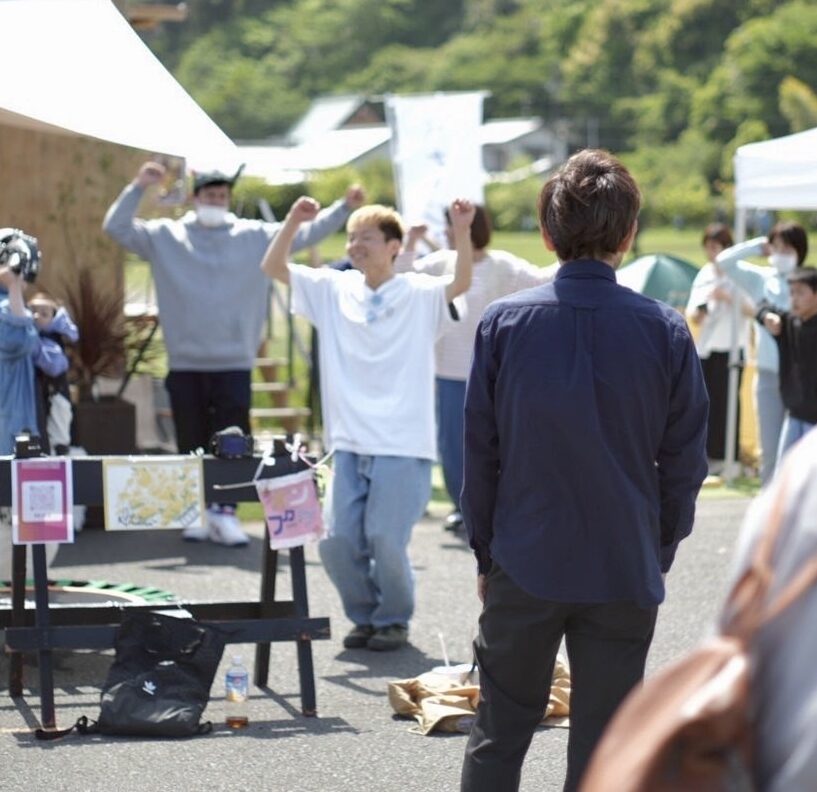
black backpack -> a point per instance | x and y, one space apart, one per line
160 680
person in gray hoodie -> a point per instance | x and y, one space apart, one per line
212 300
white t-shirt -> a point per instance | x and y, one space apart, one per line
376 357
716 329
496 275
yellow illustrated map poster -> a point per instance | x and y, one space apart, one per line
153 492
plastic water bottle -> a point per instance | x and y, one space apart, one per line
236 690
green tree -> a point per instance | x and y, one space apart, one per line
758 57
798 104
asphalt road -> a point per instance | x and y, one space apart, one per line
355 744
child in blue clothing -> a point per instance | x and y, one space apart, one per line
55 328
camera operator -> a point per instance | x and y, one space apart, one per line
19 343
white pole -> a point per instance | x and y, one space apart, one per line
731 468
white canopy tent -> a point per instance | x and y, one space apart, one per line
774 174
77 67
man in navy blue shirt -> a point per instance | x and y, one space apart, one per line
585 448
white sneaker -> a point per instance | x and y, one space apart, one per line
225 529
196 533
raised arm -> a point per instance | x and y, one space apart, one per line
462 215
120 222
18 336
13 284
748 279
328 220
275 263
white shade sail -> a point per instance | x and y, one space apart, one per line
778 174
77 67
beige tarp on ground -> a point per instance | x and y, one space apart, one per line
439 704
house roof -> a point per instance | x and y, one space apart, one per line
333 149
324 115
337 147
505 130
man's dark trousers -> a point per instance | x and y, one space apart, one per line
516 649
204 402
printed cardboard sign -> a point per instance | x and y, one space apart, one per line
42 501
291 509
153 492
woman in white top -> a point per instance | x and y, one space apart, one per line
710 307
496 273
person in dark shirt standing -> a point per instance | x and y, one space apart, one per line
796 334
585 448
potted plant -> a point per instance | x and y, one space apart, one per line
102 424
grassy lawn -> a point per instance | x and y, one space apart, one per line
684 243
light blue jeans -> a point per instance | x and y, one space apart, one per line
770 413
450 420
793 430
374 503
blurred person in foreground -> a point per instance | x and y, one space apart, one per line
784 684
585 448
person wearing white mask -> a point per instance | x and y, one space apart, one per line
213 301
786 248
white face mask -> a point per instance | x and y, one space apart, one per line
784 263
211 216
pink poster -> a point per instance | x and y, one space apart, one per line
42 500
291 508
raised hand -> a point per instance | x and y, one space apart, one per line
8 278
461 213
773 323
355 196
416 232
150 173
304 209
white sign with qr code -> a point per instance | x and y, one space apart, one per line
42 501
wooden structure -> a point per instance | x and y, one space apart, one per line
59 187
48 627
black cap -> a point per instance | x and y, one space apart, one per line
208 178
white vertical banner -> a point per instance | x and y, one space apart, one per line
436 153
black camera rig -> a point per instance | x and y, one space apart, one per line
231 443
21 252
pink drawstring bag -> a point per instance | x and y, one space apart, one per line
291 509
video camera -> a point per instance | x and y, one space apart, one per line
27 445
231 443
20 252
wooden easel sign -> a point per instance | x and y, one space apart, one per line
42 501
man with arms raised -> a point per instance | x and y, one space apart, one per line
377 332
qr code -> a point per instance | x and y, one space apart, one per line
42 501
